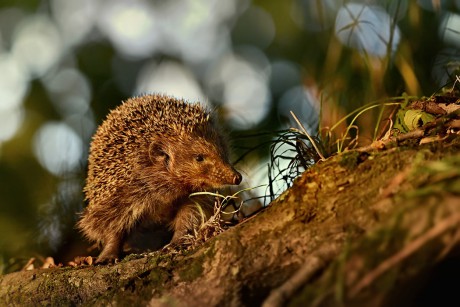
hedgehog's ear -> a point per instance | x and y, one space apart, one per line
158 154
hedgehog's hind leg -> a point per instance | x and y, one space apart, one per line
112 249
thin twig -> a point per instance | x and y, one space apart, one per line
414 134
389 123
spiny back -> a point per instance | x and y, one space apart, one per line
162 115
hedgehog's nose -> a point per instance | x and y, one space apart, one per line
237 179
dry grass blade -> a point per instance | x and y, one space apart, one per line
312 141
457 79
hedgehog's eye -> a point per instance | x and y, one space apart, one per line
199 158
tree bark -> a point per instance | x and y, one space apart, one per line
361 228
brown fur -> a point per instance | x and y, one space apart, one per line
145 159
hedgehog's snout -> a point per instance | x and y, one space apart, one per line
237 178
230 176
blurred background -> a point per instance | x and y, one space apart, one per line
64 64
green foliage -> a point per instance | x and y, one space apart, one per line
409 119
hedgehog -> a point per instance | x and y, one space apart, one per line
146 158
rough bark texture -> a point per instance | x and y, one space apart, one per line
359 229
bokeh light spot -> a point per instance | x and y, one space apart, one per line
10 121
301 102
75 18
37 45
58 148
242 87
13 88
450 29
367 28
247 99
169 78
70 91
13 83
131 27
